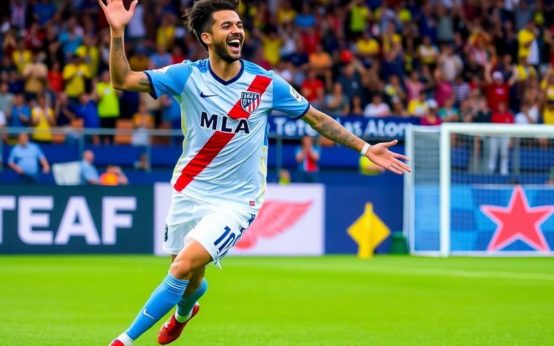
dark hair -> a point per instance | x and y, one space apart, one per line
200 19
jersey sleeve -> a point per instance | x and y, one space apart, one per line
287 100
169 80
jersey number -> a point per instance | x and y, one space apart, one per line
227 240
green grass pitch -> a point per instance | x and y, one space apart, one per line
333 300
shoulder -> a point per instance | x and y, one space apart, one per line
255 69
199 65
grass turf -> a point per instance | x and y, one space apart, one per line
333 300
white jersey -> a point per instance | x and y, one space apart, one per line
224 159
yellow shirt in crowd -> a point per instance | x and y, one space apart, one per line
108 101
74 77
524 39
548 115
42 126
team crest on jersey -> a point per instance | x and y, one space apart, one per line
249 101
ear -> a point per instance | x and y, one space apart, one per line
206 38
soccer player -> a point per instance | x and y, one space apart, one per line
219 180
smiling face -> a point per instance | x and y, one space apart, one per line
226 35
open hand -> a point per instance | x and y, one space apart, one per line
116 13
381 155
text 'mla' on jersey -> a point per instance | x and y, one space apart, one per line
224 159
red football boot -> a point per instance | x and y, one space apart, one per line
172 329
117 343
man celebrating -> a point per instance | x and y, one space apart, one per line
219 180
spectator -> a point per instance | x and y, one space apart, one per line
444 90
21 56
143 122
427 53
307 157
496 89
42 121
90 54
108 105
35 74
548 112
461 89
394 89
414 86
55 77
284 177
351 79
525 39
63 113
75 75
313 89
306 18
139 61
431 118
448 112
450 64
89 174
367 47
337 103
136 29
87 110
377 108
113 176
71 37
43 11
357 109
165 34
6 99
160 58
272 43
500 144
285 13
24 159
398 108
21 113
418 106
360 16
320 62
526 115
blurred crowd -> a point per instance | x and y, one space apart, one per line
441 60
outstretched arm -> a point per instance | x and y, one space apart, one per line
120 71
378 153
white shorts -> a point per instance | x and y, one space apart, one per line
216 228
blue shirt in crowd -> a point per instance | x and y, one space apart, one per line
27 158
88 172
24 111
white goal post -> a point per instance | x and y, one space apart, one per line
480 189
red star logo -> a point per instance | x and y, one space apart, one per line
518 221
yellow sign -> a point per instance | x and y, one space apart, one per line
368 231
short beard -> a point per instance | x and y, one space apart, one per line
221 51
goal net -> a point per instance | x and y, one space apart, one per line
480 189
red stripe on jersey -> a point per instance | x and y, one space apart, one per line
206 155
259 85
218 140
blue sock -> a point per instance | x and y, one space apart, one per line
187 302
160 302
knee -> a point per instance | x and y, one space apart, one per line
181 269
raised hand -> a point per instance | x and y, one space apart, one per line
381 155
116 13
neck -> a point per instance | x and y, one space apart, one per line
224 69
